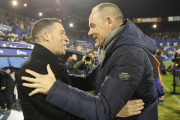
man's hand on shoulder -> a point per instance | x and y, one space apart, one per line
133 107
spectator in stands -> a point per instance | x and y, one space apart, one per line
7 32
176 65
2 37
6 85
158 55
71 64
88 62
24 38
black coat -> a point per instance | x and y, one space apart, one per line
35 107
5 80
71 68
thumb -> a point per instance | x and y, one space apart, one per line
49 70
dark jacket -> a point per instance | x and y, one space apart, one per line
156 76
126 74
162 66
35 107
71 68
5 80
87 68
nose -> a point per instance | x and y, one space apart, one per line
90 33
66 39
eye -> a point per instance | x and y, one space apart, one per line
92 26
63 32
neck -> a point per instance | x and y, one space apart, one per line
46 46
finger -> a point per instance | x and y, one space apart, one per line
136 107
132 102
140 108
138 101
36 91
136 113
35 74
160 98
163 98
30 85
28 79
49 70
141 104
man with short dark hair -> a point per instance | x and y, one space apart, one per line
125 74
50 41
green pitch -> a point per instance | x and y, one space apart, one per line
170 108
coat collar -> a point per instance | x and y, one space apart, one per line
44 54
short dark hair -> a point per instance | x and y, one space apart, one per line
110 9
42 24
89 51
159 52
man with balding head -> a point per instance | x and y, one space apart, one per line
125 72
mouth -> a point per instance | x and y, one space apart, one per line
94 36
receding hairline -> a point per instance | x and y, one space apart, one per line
114 10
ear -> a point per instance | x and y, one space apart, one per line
110 22
45 37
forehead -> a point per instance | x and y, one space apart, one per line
93 17
58 26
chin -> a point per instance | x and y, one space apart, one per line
64 53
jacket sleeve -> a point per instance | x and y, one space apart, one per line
39 99
86 83
79 65
159 87
115 91
92 66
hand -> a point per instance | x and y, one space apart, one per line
161 98
176 65
2 88
88 62
133 107
83 58
42 83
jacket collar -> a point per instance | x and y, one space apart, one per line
44 54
